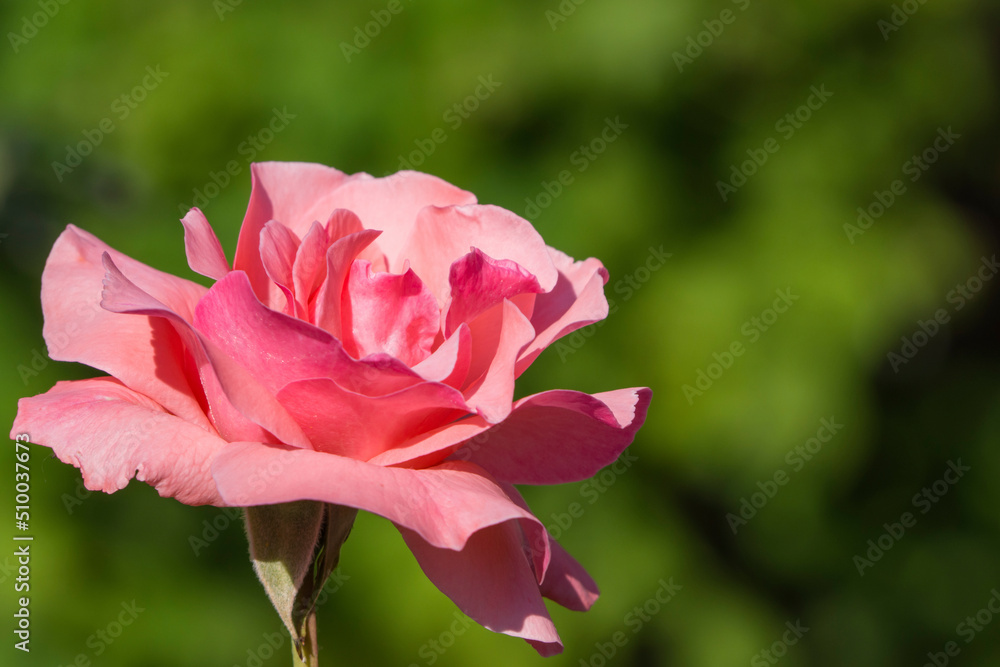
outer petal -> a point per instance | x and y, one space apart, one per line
560 436
204 252
293 193
531 442
492 581
576 301
241 408
390 313
445 504
348 424
111 433
391 204
564 580
442 235
144 353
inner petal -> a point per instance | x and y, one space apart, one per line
278 246
479 282
309 269
350 424
391 313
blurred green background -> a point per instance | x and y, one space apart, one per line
703 87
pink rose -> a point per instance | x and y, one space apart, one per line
361 352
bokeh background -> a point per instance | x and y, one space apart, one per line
698 85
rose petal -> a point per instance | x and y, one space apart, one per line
479 282
310 264
111 433
566 582
278 247
492 582
563 580
391 204
204 252
339 259
277 349
293 193
348 424
535 541
560 436
535 447
498 337
450 232
434 446
576 301
144 353
449 363
342 223
390 313
241 407
445 504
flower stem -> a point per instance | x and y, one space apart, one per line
309 648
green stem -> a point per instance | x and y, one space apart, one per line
310 650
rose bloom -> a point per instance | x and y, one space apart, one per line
362 351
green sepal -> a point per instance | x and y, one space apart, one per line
294 547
